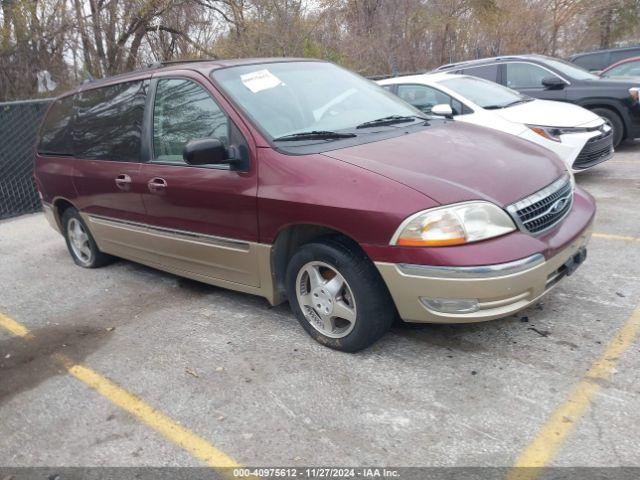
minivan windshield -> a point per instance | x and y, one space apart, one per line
311 100
484 93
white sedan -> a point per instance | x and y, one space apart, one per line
581 138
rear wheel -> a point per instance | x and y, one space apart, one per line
81 245
614 121
338 295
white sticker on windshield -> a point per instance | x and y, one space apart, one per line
260 80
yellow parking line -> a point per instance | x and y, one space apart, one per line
547 443
616 237
184 438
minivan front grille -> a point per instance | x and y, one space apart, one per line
596 150
539 212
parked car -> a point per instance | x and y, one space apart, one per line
553 79
579 137
600 59
299 180
624 68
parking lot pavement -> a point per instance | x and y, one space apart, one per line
246 379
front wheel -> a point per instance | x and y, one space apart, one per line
338 295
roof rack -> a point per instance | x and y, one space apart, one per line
481 60
172 62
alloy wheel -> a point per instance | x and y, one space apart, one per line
326 299
79 241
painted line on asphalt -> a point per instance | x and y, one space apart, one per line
551 437
609 236
161 423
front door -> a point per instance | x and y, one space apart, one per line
203 219
527 78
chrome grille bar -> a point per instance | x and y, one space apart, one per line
544 209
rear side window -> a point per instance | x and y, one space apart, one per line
488 72
54 138
184 111
108 122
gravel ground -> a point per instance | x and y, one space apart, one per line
246 377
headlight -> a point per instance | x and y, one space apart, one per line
635 95
553 133
550 133
453 225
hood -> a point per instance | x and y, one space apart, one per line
453 162
549 114
632 79
615 82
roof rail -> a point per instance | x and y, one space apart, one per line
172 62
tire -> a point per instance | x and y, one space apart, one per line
363 300
613 119
82 247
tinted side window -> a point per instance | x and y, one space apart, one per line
108 123
525 75
422 97
488 72
622 54
184 111
594 61
54 139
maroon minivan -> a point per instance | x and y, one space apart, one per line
298 180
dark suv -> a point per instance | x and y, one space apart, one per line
554 79
601 59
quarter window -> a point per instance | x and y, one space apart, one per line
525 75
184 111
53 135
488 72
108 122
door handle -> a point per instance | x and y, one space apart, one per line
123 181
157 185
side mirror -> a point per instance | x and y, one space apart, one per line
442 110
204 151
553 83
211 151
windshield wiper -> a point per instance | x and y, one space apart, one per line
390 120
314 135
518 102
510 104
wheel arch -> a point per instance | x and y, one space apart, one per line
613 108
60 205
290 238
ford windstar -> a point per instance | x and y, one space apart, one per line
298 180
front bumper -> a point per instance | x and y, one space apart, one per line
579 151
499 290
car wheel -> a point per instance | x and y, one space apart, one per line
338 295
81 245
614 120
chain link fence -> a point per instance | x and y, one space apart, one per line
19 123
